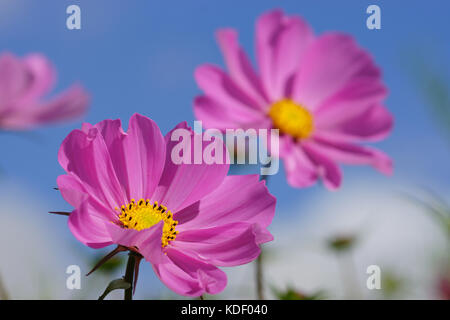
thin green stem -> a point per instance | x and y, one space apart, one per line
259 265
129 276
259 277
265 178
3 293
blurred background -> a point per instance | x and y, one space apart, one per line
139 56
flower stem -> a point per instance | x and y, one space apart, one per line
259 277
129 275
259 265
3 293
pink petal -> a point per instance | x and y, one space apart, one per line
151 248
353 154
87 224
145 151
267 26
72 189
23 82
219 86
237 199
42 76
147 241
227 245
113 135
326 168
138 156
280 43
301 172
352 100
183 184
239 66
285 145
374 124
74 192
288 46
189 276
215 115
13 79
331 62
87 157
68 105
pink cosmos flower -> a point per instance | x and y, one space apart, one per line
23 82
324 94
184 219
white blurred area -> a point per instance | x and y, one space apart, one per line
37 248
30 264
392 232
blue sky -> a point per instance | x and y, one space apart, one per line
139 56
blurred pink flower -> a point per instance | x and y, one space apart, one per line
23 82
323 93
184 219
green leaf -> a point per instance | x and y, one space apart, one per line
293 294
114 285
341 243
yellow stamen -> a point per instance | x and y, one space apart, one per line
143 215
291 118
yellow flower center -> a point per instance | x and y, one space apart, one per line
143 215
291 118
